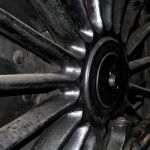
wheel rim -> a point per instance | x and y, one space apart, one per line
94 43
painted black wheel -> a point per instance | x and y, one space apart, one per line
97 81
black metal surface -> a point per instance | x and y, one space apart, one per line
60 27
94 12
139 138
106 60
24 12
60 130
90 143
96 60
77 11
77 140
119 8
138 90
106 9
119 130
39 44
139 65
31 39
31 83
132 11
137 38
19 129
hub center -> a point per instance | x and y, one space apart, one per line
112 80
106 78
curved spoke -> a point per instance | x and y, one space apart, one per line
56 135
90 143
77 11
139 65
136 38
21 128
138 90
31 39
31 83
77 139
106 7
132 11
59 25
94 12
73 26
118 12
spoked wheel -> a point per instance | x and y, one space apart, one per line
96 46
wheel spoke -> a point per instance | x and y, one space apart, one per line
90 143
31 39
136 38
139 65
76 9
59 25
138 90
77 139
31 83
25 13
138 105
106 7
69 27
130 111
132 11
94 12
118 11
21 128
56 135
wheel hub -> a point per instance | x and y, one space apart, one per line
106 79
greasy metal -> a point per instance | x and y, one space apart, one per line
60 27
90 143
136 38
107 11
77 11
26 37
75 41
18 57
39 44
61 131
139 65
8 50
19 129
77 140
132 11
24 12
96 78
140 136
31 83
112 80
119 129
27 98
138 90
94 12
119 8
